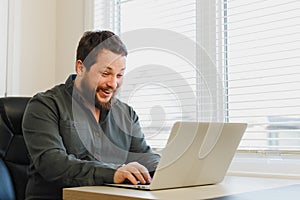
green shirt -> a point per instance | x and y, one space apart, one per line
68 147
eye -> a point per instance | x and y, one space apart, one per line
105 73
119 75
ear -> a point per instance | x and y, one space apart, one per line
79 67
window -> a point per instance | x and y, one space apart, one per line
167 79
262 60
165 85
263 72
105 13
243 67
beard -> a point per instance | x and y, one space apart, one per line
105 105
90 96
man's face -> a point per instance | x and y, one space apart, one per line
100 84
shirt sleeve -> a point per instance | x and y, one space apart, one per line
48 153
140 151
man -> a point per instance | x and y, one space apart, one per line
79 133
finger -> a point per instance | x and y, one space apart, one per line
122 174
131 178
142 173
138 175
146 176
145 173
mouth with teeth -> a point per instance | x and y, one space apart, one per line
105 93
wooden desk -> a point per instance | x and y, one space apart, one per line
231 188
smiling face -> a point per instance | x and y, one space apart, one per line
100 83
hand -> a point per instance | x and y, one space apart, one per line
134 172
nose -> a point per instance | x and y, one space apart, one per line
112 82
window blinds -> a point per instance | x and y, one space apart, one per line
254 48
164 85
263 65
105 13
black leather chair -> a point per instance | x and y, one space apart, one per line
14 159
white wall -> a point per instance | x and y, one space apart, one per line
3 44
42 44
70 27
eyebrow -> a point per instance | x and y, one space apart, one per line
109 68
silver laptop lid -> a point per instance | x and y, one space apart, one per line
197 153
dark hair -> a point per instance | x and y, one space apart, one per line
92 42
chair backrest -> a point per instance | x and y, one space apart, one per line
13 151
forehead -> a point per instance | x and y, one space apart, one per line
107 58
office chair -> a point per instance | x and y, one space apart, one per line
14 159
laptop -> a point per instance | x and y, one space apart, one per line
197 153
